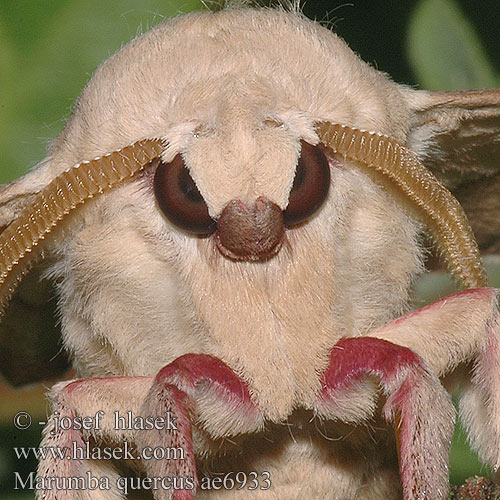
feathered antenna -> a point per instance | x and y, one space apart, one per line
20 242
441 211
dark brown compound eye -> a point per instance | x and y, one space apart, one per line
179 199
310 186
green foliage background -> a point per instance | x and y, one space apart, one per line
50 48
48 51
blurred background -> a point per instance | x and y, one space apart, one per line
50 48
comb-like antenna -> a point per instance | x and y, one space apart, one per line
442 212
20 241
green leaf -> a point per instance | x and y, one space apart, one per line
444 50
55 53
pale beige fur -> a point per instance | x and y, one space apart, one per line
214 111
234 92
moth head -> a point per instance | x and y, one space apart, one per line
236 153
253 229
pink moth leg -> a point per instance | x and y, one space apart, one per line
215 400
462 329
195 389
417 405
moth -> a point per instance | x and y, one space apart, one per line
224 241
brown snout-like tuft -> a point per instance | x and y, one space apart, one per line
250 233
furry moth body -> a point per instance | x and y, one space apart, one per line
248 269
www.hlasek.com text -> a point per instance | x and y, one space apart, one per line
84 450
